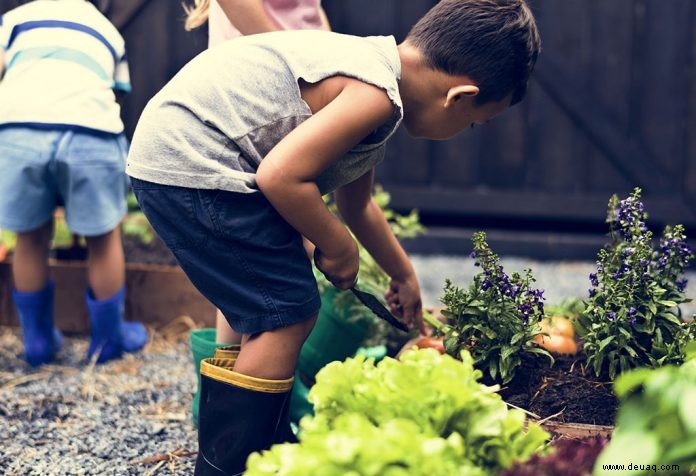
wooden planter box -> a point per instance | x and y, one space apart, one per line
155 296
577 430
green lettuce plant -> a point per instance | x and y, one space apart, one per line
423 415
497 317
656 423
632 318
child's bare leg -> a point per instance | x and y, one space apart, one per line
106 268
224 334
30 260
273 354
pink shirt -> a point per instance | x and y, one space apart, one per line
286 14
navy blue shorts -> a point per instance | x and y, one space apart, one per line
237 250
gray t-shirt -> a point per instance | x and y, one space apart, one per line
214 122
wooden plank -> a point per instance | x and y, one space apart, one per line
609 74
361 17
121 12
577 430
407 160
588 115
661 62
155 296
159 25
543 245
456 162
557 149
689 159
541 205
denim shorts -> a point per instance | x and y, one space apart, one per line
238 252
83 171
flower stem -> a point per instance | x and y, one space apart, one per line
433 322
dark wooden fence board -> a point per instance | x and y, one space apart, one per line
611 106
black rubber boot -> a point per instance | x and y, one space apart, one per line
285 434
238 415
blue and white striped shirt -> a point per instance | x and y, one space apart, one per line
63 59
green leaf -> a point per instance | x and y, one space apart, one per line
604 343
687 410
629 381
623 448
506 352
671 318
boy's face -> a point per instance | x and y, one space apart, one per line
440 119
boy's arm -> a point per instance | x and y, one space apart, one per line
287 174
366 219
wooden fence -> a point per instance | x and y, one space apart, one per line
612 105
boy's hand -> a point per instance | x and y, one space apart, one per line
340 268
404 299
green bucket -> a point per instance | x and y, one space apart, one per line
299 401
202 347
333 337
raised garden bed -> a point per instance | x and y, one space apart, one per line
564 392
158 290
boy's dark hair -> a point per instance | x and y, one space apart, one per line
494 42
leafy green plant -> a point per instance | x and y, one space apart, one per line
656 423
570 308
8 239
136 224
497 317
356 446
632 317
423 415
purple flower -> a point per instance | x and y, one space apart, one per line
611 315
632 311
593 279
681 284
592 292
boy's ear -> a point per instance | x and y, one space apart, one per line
458 92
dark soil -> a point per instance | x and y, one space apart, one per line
565 388
155 252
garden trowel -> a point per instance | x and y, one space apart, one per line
374 305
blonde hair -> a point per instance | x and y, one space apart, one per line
197 14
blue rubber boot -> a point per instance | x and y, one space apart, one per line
41 338
111 335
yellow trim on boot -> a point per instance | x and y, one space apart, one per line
227 352
221 370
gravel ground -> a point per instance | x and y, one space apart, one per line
131 416
125 417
